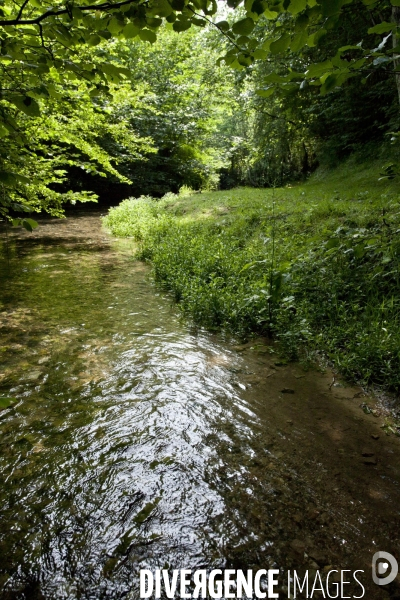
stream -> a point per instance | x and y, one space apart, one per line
139 441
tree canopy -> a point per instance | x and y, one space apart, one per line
76 92
38 36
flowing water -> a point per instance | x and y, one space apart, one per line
138 441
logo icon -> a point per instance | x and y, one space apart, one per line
382 562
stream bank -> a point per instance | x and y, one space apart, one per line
138 441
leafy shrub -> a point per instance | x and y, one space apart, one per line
133 217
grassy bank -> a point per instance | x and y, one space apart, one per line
316 265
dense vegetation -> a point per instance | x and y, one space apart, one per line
145 97
317 265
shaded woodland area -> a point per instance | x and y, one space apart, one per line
144 98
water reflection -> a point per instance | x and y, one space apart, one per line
105 456
137 442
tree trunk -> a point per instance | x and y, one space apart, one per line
396 63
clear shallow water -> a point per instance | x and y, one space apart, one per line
139 442
104 457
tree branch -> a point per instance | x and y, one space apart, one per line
62 11
43 44
217 27
264 112
21 10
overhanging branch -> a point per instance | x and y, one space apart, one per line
62 11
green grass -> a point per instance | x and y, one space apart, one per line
314 265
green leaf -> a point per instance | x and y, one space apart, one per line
38 92
316 37
345 48
257 7
130 31
223 25
153 22
329 84
301 23
230 56
105 34
382 27
330 7
236 65
265 93
63 36
211 8
245 60
22 178
179 26
243 40
3 131
28 224
260 54
28 105
198 22
148 36
6 401
359 251
275 78
247 266
299 41
395 2
332 243
178 4
54 93
115 25
93 39
318 69
297 6
77 13
243 27
110 70
32 224
270 14
281 44
162 8
8 178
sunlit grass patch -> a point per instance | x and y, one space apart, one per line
316 265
